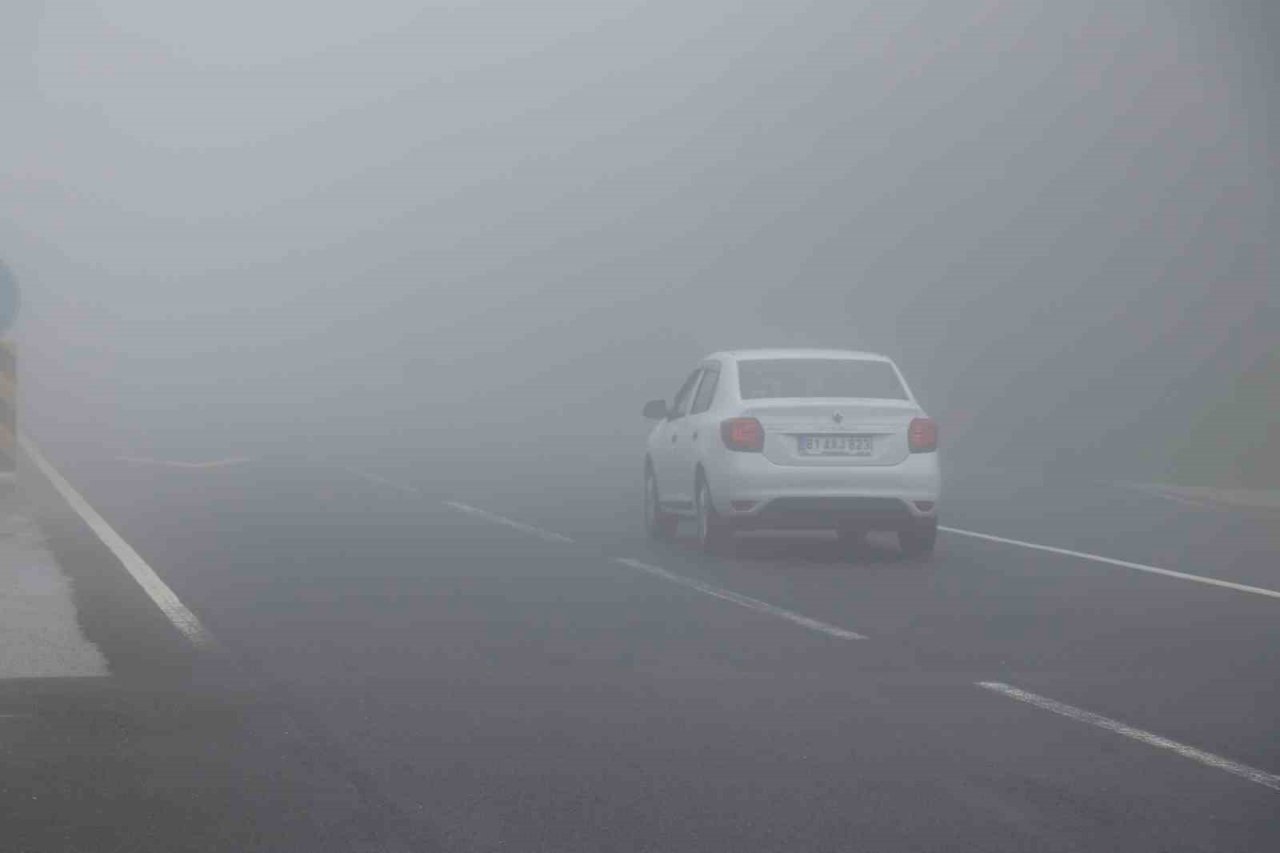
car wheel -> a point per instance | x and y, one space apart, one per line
659 525
713 531
918 540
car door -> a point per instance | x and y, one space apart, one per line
700 428
668 444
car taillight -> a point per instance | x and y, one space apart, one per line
745 434
922 435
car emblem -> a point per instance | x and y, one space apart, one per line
838 418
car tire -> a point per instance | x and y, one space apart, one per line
714 533
658 524
917 541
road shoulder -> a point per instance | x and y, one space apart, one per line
40 636
163 746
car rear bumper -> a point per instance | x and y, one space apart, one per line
828 512
754 492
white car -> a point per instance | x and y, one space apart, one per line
793 439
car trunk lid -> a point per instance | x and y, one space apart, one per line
834 432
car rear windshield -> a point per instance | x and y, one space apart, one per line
818 377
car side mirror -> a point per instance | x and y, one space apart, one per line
655 410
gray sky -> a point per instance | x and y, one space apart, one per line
350 215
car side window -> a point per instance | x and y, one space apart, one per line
680 405
706 391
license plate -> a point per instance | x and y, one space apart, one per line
835 445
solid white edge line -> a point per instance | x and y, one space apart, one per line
742 600
545 535
169 603
1111 561
1252 774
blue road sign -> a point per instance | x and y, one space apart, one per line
8 298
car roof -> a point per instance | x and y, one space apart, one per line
751 354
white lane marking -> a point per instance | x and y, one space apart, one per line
1261 777
1125 564
545 535
1136 487
169 603
1207 497
723 594
742 600
382 481
1185 501
168 463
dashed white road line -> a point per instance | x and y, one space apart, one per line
707 589
1252 774
164 597
381 481
545 535
199 466
187 622
1204 497
1180 499
743 600
1111 561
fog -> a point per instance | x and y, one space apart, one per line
459 226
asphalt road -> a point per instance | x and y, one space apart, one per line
398 672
